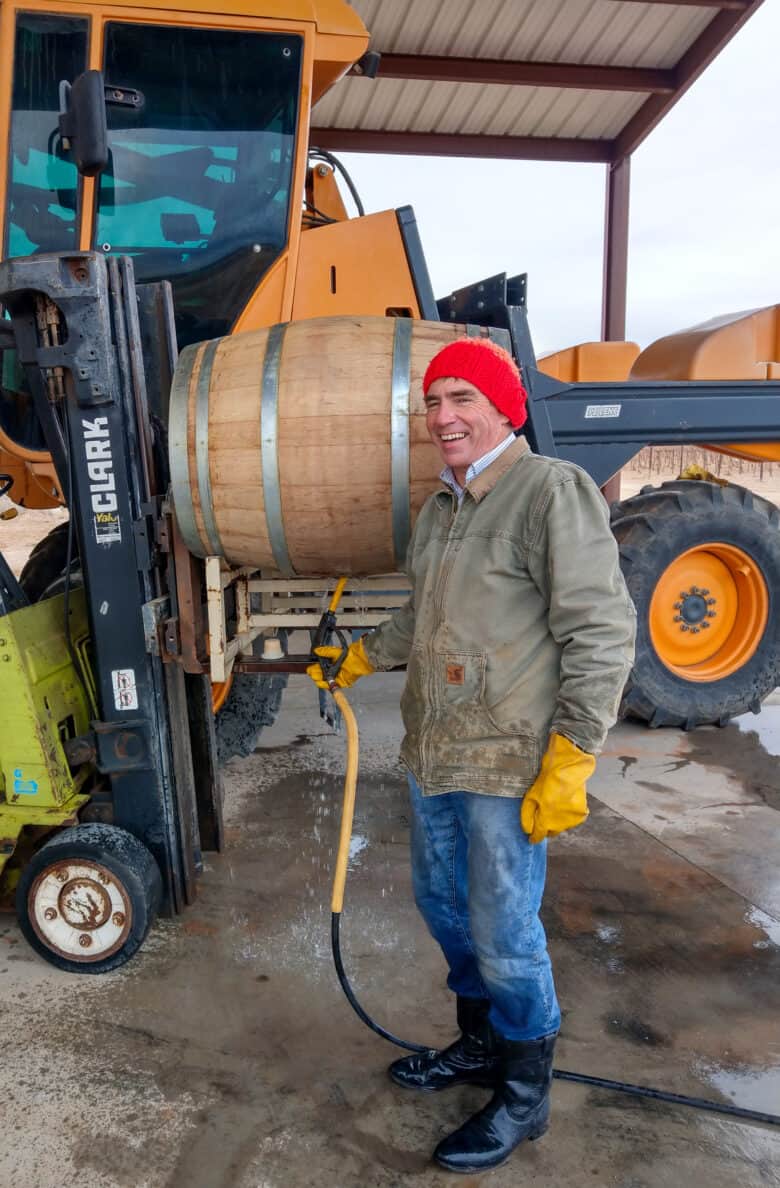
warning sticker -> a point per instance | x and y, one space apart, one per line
602 410
125 693
107 527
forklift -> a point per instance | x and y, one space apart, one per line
135 220
149 205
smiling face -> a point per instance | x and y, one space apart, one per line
462 423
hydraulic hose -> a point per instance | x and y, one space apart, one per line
337 904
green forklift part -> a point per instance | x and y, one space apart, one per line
15 818
45 703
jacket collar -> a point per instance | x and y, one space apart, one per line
479 487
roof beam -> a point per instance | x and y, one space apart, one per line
443 144
694 61
732 5
429 68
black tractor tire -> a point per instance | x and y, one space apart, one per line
47 561
88 897
653 529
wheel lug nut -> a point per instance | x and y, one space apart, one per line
85 941
118 919
711 601
685 627
678 606
677 619
705 623
50 914
711 614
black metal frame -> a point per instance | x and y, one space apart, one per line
602 426
418 265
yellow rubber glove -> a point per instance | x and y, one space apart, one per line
556 800
356 664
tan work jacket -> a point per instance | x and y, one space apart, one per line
519 623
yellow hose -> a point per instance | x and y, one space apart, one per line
336 599
350 779
342 855
348 807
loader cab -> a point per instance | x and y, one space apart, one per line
198 183
205 174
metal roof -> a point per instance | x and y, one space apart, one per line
576 80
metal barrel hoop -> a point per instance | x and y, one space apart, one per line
400 385
178 452
202 448
269 440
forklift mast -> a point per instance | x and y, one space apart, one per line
77 327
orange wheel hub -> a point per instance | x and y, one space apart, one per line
708 612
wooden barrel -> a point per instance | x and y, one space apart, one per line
302 449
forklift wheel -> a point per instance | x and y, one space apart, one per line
88 898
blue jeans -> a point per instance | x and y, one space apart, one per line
478 883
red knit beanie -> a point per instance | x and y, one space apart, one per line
488 367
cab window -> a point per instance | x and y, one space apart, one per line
198 184
43 182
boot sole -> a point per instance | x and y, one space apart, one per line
486 1167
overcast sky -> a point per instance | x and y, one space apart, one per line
705 197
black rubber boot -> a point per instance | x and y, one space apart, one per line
519 1109
470 1060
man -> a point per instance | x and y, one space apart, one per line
518 637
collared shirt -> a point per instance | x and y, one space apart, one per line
475 468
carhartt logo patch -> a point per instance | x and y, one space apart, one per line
456 674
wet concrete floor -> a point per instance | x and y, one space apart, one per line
224 1055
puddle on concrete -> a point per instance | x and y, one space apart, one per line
608 934
751 1088
768 924
357 845
748 748
765 725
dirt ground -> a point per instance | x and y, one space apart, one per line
225 1056
20 534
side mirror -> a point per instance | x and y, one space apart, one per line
83 120
83 124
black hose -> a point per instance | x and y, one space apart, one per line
335 920
333 160
560 1074
74 657
697 1103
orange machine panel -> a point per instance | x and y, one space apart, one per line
739 346
358 266
607 362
